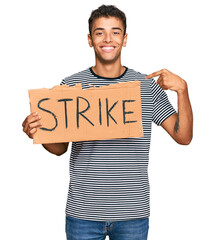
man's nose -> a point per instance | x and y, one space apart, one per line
107 37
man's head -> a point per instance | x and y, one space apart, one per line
107 11
107 26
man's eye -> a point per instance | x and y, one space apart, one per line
115 33
99 33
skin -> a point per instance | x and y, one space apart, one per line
107 38
30 126
179 126
108 32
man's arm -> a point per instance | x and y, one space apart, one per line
180 125
30 125
56 148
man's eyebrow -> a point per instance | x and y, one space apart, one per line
98 29
117 28
114 28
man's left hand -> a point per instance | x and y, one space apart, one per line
168 80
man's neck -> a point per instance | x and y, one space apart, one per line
108 70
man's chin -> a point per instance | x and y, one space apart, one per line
107 57
108 60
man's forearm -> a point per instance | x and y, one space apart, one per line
56 148
184 123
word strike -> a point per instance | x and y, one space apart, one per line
81 113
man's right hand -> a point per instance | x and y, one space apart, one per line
31 123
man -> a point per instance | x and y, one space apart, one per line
109 189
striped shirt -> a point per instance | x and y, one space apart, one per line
109 178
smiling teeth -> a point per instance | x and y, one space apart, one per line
108 48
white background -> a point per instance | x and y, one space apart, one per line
44 41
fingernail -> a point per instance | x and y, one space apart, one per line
36 113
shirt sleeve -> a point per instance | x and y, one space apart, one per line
62 82
68 81
162 108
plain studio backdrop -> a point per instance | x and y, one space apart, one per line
43 42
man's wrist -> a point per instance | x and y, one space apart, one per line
183 88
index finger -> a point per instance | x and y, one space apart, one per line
32 114
154 74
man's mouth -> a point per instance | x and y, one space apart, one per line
107 48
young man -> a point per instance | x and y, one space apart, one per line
109 189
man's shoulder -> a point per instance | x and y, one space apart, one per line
76 77
137 75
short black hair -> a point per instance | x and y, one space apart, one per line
107 11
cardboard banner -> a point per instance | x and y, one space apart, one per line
71 114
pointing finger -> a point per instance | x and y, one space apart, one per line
159 80
154 74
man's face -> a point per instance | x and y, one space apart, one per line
107 39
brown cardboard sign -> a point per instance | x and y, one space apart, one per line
71 114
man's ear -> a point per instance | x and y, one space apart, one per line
90 40
125 40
